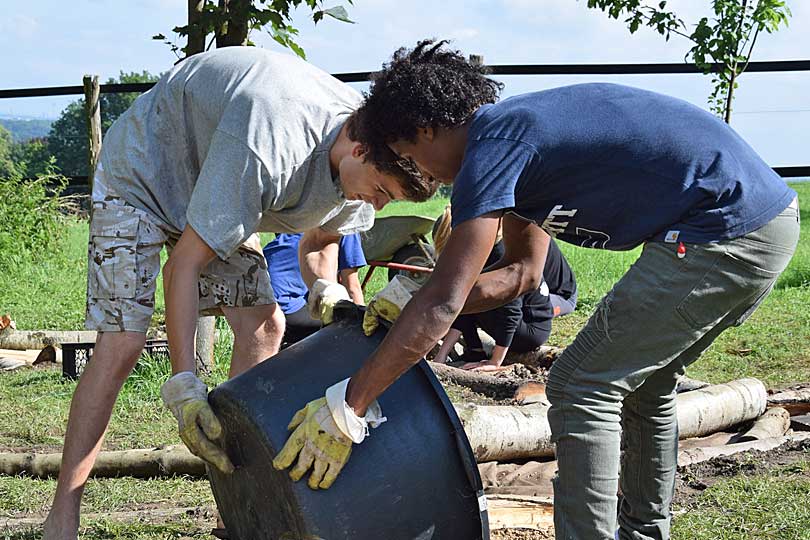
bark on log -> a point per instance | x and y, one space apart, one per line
699 455
501 432
21 340
719 406
145 463
774 423
495 387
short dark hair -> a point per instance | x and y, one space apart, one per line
415 186
427 86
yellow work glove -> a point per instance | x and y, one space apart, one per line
187 397
324 431
323 296
389 302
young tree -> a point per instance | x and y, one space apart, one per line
727 39
231 21
67 140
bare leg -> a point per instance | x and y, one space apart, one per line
257 335
114 356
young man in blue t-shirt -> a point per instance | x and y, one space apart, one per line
289 288
601 166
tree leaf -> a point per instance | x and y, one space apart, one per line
339 13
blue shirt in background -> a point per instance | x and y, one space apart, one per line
610 166
289 288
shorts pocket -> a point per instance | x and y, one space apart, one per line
112 266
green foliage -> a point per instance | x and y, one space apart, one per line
33 158
67 140
7 165
727 39
32 223
273 15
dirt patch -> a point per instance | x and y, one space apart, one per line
521 534
692 480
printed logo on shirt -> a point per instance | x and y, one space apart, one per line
592 239
672 237
551 223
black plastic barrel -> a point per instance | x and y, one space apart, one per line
414 478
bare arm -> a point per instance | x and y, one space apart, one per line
350 280
180 276
318 255
518 272
428 316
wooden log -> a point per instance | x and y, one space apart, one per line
520 512
795 401
699 455
143 463
503 432
774 423
495 387
22 340
719 406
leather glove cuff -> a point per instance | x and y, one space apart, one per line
182 388
353 426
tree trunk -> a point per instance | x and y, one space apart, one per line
720 406
196 36
774 423
146 463
22 340
235 32
503 432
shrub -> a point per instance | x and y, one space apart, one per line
31 224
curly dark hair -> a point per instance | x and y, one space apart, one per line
428 86
415 186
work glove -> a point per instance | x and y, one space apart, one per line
324 431
187 397
389 302
322 299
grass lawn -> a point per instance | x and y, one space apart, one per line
774 345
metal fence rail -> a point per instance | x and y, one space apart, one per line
505 69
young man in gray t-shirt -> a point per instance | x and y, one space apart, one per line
227 144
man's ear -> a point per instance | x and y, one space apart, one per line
426 134
359 150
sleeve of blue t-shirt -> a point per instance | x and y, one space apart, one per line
350 254
488 176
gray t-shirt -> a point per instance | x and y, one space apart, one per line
236 141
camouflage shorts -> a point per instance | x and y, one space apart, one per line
124 263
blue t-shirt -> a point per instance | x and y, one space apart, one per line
609 166
289 288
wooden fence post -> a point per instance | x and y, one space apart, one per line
92 110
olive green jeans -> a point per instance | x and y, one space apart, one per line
618 378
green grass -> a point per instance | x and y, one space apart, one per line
768 506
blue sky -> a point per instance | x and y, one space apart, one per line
53 43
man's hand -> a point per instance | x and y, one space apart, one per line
187 397
322 299
388 303
324 431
